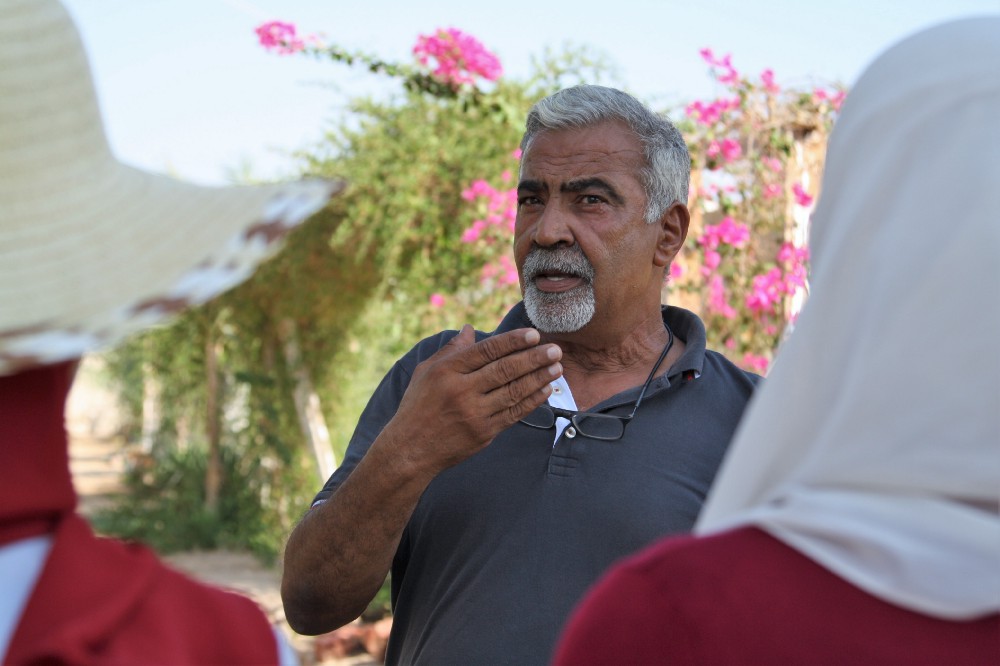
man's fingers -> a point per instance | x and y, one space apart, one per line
496 347
520 395
512 412
514 366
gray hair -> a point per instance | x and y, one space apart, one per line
668 163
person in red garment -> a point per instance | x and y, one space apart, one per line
90 251
855 519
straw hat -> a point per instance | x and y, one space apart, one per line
90 248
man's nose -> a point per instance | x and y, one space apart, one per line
553 227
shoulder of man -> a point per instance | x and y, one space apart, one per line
723 364
697 357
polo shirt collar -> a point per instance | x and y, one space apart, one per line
686 326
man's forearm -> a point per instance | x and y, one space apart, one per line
338 556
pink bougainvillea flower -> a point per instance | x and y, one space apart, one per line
724 70
728 76
728 149
755 363
709 114
794 261
508 274
772 190
502 272
501 209
456 57
802 197
732 232
478 188
279 37
718 301
766 292
728 231
767 78
473 233
791 254
836 99
710 262
772 163
676 270
437 300
731 150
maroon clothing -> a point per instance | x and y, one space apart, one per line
744 597
98 601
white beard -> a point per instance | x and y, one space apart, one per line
561 312
565 311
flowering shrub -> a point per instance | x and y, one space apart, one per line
757 155
279 37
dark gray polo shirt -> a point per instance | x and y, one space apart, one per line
501 546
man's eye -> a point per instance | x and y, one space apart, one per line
592 199
528 201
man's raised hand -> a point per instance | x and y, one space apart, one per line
460 398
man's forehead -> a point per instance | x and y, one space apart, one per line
607 150
608 137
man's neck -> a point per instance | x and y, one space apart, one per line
599 366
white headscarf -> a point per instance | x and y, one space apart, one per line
874 446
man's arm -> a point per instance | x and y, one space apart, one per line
456 403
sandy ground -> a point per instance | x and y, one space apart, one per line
97 460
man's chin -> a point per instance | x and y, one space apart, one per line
559 312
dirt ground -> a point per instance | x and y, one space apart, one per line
97 460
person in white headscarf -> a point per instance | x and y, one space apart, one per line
855 518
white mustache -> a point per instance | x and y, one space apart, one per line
571 261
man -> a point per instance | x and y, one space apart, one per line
92 250
493 522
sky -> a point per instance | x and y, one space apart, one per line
185 88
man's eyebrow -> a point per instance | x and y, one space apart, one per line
531 186
584 184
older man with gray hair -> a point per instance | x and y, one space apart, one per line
496 475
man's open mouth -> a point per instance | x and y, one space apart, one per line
556 281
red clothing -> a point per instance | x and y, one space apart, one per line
98 601
743 597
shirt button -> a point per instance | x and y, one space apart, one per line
571 432
557 390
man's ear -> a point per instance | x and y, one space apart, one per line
673 232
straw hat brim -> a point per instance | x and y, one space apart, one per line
82 272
